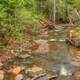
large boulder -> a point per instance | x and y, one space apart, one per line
74 36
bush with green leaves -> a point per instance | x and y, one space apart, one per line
14 14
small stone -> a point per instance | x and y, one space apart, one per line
24 56
16 70
62 40
52 40
52 76
19 77
1 74
34 69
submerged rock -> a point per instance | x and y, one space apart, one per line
23 56
19 77
53 40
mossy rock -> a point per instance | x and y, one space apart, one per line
74 36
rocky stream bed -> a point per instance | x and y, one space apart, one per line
47 57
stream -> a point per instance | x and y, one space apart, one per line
54 55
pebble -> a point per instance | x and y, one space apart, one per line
24 56
52 40
16 70
34 69
62 40
19 77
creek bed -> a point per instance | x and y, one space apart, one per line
58 56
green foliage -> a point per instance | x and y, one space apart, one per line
15 14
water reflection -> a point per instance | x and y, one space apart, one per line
59 57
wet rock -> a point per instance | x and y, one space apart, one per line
52 40
43 46
19 77
41 77
16 70
75 56
1 74
52 76
1 64
77 76
74 36
62 40
34 69
24 56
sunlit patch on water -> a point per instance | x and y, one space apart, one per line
64 71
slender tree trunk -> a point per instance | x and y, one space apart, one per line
66 5
52 10
54 17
